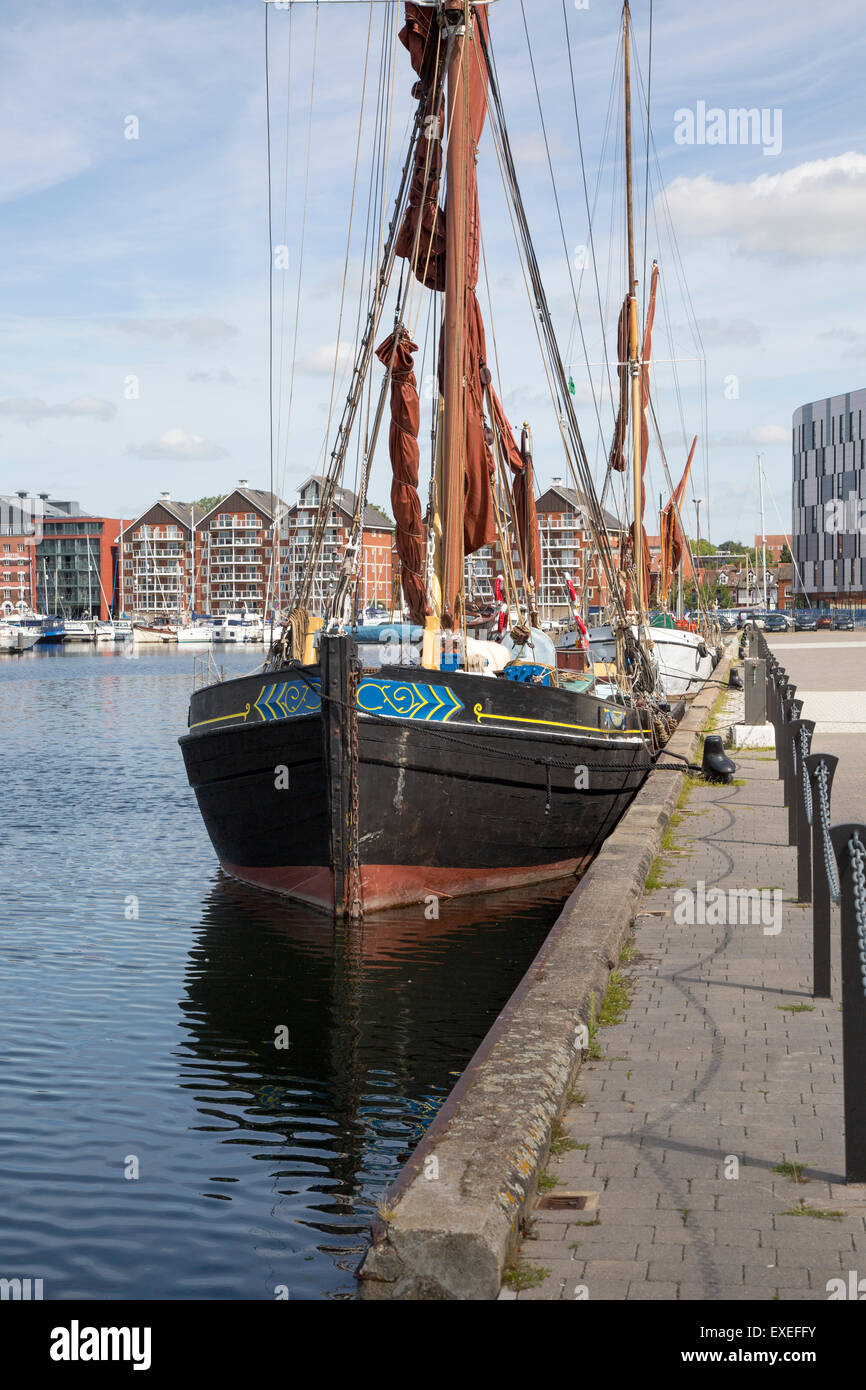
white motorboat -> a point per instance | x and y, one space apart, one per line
196 633
79 630
240 627
104 632
17 639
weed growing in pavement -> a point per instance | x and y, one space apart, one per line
794 1171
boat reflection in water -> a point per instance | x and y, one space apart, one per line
381 1021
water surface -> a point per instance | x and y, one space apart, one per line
142 994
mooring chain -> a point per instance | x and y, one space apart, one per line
356 906
857 851
807 786
824 813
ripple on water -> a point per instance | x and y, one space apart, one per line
156 1143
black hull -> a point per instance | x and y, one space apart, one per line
464 783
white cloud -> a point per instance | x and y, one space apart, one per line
28 410
815 210
222 378
760 434
177 444
729 332
320 361
771 434
852 340
195 328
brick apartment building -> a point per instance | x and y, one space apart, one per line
18 538
375 579
235 563
176 558
775 546
157 560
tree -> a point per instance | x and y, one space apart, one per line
785 556
207 503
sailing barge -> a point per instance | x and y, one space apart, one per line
472 767
463 783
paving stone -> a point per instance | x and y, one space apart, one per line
707 1064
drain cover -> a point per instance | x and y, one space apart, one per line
568 1201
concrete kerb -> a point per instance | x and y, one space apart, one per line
452 1218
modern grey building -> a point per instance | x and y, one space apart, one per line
829 499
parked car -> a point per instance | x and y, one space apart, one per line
775 622
805 622
844 622
825 621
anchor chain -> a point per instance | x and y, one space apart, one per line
824 815
356 906
807 786
857 851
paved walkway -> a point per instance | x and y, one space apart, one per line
723 1068
829 671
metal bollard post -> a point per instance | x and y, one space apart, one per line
821 767
793 737
849 844
755 685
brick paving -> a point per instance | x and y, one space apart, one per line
710 1081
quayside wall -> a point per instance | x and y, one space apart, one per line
453 1216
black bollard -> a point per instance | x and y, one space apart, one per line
821 784
849 844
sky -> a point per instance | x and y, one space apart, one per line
134 250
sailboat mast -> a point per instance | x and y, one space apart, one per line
763 526
633 345
454 419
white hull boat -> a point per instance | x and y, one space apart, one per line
154 634
78 630
17 639
196 634
685 660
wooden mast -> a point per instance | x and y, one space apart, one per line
456 229
633 342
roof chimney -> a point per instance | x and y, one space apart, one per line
242 482
556 482
165 497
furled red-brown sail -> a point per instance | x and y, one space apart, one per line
523 491
627 547
398 352
422 241
616 458
645 356
672 538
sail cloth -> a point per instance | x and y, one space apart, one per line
422 241
626 554
616 459
398 353
672 538
645 357
523 491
